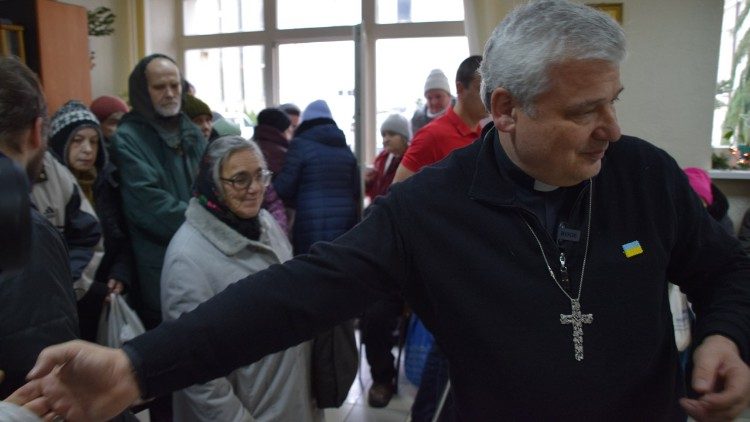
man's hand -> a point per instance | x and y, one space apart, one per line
85 382
721 378
29 397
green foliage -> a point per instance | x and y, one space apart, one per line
253 116
101 21
738 107
719 162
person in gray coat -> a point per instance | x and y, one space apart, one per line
226 236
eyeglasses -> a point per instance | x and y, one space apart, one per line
243 181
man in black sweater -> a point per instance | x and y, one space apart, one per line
538 256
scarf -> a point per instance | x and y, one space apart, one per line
86 181
208 195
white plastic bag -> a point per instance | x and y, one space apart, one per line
680 308
118 323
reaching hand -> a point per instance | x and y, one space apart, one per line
114 286
721 378
85 382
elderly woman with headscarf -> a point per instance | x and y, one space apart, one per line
225 237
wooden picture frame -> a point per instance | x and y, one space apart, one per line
612 9
11 41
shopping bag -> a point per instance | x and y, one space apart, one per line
680 308
335 361
118 323
419 341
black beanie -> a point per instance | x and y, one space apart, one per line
275 118
194 107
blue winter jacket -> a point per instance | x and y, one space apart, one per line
320 180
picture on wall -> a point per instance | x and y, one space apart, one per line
612 9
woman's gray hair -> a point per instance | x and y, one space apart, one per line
537 35
221 148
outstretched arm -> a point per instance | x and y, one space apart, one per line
85 382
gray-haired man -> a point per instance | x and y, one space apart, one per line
538 257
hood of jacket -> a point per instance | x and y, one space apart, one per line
321 130
140 99
267 133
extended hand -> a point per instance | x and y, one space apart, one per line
29 396
85 382
721 378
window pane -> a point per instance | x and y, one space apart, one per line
312 71
229 80
400 78
732 112
202 17
319 13
394 11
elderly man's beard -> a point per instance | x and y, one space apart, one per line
168 110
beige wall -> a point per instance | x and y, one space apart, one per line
117 54
669 76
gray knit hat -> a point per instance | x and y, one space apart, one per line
398 124
437 80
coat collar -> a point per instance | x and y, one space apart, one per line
226 239
491 182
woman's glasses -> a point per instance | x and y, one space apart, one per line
243 181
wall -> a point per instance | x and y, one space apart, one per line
669 76
116 54
162 24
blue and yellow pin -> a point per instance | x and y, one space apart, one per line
632 249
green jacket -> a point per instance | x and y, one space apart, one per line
157 169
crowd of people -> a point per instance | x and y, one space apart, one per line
533 239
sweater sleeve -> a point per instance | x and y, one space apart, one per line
82 233
421 151
744 232
710 266
276 308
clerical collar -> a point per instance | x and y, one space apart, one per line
543 187
547 202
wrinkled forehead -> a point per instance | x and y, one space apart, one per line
160 70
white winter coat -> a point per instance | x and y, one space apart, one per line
204 257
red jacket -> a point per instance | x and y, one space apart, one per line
379 185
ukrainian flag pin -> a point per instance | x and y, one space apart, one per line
632 249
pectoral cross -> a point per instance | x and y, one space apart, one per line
577 319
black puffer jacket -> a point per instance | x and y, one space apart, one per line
37 305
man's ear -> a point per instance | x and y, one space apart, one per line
503 110
459 89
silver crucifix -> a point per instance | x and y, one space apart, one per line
577 319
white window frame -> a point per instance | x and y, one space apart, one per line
271 37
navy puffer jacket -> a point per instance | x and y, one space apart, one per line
320 180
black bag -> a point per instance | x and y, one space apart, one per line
335 361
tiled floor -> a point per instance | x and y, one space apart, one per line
355 408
